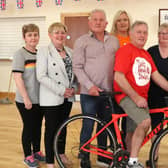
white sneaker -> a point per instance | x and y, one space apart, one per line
136 165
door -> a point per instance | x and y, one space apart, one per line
77 25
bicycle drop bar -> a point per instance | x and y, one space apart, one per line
108 94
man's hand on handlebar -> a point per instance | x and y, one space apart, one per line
94 91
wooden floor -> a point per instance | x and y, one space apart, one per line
11 154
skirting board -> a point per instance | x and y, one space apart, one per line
10 95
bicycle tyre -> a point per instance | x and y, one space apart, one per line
73 126
160 143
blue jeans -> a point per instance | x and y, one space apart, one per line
95 106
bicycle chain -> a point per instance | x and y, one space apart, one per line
120 159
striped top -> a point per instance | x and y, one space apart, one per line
24 62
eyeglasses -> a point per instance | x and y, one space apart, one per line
163 34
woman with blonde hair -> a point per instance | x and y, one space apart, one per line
120 27
54 72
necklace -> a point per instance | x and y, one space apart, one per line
60 50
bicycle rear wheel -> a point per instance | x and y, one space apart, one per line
73 126
159 151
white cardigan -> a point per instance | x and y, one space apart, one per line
52 75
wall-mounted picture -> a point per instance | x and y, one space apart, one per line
163 16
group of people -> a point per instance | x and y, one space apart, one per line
45 87
47 81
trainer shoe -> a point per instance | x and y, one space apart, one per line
39 156
84 159
103 162
31 162
135 165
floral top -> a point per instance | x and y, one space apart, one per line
68 66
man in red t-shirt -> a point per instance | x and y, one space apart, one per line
133 69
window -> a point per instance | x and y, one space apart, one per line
11 34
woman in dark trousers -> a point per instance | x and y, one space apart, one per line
54 72
157 96
27 95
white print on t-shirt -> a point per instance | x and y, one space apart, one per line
141 71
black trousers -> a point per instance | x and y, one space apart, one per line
54 116
31 133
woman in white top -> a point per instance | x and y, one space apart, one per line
54 72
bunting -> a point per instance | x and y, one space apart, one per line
2 4
39 3
20 4
58 2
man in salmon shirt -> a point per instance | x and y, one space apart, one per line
134 68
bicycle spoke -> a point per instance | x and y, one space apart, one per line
160 151
73 127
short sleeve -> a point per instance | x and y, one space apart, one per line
123 60
18 62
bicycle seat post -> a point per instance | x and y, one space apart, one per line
109 96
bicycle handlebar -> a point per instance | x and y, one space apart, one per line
108 94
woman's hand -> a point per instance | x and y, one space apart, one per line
27 103
22 89
69 92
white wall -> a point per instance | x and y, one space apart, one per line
146 10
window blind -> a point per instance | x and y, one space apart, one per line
11 34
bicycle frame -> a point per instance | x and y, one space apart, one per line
115 118
159 127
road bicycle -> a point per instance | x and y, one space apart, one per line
115 149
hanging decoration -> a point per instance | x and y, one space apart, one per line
58 2
39 3
20 4
2 4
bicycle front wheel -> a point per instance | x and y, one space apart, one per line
73 128
159 151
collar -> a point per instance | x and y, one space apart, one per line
34 53
106 35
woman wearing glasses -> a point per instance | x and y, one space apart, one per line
157 95
54 72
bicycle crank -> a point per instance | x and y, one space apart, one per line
121 158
